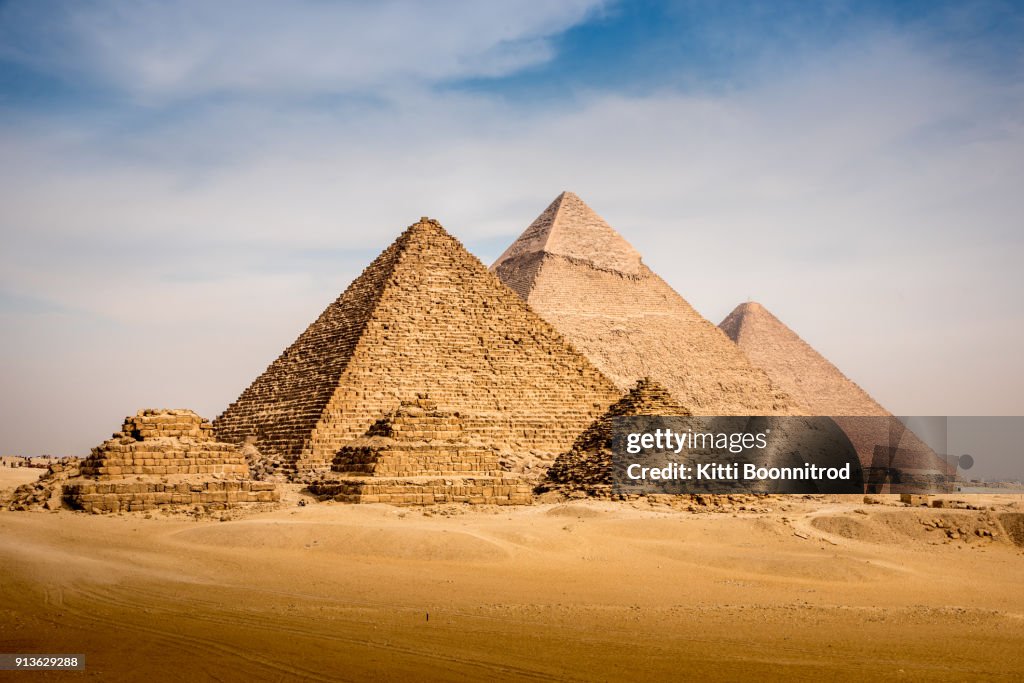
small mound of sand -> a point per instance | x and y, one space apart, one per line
857 528
576 511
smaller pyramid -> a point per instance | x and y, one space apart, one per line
165 458
795 366
419 454
587 466
163 442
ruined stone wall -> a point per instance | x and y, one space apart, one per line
428 491
415 440
139 496
419 455
163 458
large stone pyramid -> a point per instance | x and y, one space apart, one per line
426 317
794 365
586 280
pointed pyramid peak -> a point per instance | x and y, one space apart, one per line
571 229
794 365
733 323
647 397
425 226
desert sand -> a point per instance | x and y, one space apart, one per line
795 588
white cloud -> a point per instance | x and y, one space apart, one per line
162 50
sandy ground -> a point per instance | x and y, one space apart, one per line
13 477
812 590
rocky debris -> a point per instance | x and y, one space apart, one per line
261 467
581 276
425 317
46 492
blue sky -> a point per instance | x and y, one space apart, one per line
187 184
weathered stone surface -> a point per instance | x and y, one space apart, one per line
420 455
161 443
592 286
164 458
587 466
112 496
424 317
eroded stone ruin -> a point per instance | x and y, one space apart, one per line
420 455
163 458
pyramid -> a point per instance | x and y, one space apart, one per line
425 317
420 454
590 284
821 388
587 466
164 458
794 365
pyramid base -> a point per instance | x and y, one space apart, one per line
101 497
407 491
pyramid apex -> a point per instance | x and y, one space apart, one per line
571 229
426 222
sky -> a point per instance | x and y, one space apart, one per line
186 185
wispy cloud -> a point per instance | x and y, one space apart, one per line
167 50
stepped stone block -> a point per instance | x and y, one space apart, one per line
164 442
164 458
420 455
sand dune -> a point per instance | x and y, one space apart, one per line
580 591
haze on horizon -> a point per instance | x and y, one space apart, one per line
187 185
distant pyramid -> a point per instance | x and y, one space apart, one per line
587 466
426 317
794 365
586 280
821 389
